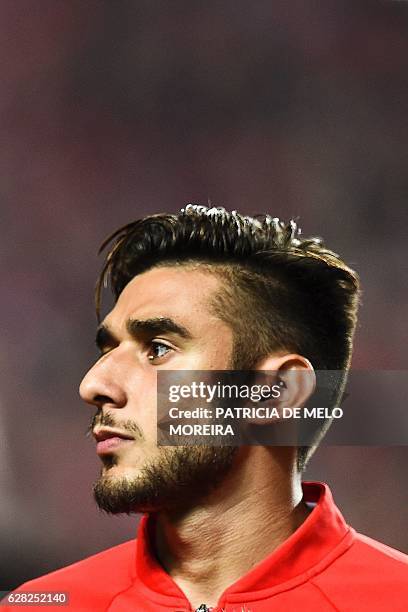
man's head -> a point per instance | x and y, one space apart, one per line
204 289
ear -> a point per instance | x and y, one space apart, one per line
293 373
297 375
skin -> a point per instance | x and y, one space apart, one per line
259 502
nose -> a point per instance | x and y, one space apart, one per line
100 387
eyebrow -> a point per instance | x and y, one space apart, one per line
138 327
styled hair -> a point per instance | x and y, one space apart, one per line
278 292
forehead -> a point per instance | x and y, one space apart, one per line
180 293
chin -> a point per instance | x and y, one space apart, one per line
121 471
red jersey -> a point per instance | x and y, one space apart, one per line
324 565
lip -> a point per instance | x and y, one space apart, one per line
108 440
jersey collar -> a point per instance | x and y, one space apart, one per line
321 537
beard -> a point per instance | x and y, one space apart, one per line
174 480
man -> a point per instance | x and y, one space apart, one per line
225 527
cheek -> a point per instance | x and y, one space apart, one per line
142 395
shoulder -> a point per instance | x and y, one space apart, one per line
380 554
116 560
374 557
92 582
369 575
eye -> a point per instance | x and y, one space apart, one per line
158 350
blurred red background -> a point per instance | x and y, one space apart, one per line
114 110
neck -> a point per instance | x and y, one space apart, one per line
210 546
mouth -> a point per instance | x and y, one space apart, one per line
109 440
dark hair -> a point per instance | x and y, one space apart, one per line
281 291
